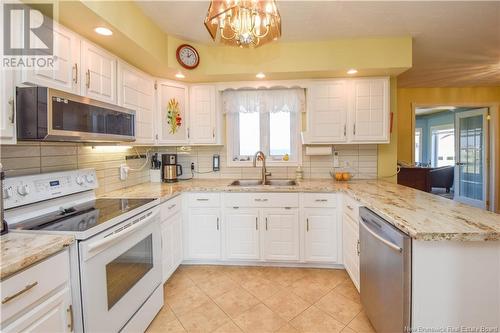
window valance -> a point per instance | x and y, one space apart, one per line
263 101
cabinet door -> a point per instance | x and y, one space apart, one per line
242 233
203 233
350 250
171 111
7 107
53 315
176 222
65 75
370 111
202 114
99 73
167 249
327 109
136 92
321 237
281 234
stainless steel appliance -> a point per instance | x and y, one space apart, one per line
385 273
53 115
170 169
116 259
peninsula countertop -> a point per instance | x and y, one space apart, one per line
19 250
421 215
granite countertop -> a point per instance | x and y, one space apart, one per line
421 215
20 250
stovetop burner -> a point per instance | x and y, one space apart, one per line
83 216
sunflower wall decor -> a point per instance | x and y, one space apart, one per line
174 116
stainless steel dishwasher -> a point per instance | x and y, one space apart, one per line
385 273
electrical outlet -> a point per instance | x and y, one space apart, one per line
124 169
192 166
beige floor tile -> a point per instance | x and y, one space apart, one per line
309 291
287 328
229 327
348 330
242 274
173 326
348 290
189 299
330 277
200 273
259 319
217 285
177 283
286 304
313 320
261 288
236 301
283 276
205 318
339 307
361 324
166 314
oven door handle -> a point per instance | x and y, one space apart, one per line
112 238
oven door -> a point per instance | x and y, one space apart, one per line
120 268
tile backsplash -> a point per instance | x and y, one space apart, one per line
31 158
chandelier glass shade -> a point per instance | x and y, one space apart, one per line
243 23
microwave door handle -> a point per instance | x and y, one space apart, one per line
383 240
99 245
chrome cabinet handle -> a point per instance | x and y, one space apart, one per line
354 129
256 223
345 129
20 292
266 223
11 104
170 207
260 200
358 248
188 132
75 75
213 133
71 318
88 78
217 223
307 225
321 200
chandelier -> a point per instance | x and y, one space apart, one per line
243 23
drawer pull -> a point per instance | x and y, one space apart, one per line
20 292
71 318
259 200
321 200
288 208
170 207
202 199
236 207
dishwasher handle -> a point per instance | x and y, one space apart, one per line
381 239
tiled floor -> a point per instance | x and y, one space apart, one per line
229 299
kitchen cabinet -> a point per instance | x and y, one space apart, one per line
241 228
136 92
202 114
321 235
99 73
172 103
350 238
281 234
327 103
66 72
7 107
171 236
203 233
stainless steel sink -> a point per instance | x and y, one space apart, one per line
270 182
281 182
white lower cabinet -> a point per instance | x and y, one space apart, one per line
242 233
171 236
281 234
321 235
350 241
203 233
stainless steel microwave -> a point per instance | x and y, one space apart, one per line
45 114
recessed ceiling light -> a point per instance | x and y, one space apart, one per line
103 31
352 71
179 75
260 75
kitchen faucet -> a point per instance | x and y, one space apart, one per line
262 156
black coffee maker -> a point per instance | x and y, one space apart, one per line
170 169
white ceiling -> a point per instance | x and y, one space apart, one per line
454 43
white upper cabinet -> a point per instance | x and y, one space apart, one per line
242 233
202 114
281 234
327 112
370 111
348 111
136 92
99 73
7 107
66 72
172 100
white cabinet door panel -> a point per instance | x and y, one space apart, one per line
202 114
321 237
242 233
167 132
350 244
281 234
99 73
203 233
7 107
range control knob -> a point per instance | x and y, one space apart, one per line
23 189
89 178
79 180
7 192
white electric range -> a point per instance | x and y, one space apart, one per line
116 259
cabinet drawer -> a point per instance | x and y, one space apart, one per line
351 207
170 207
204 200
262 200
326 200
32 284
